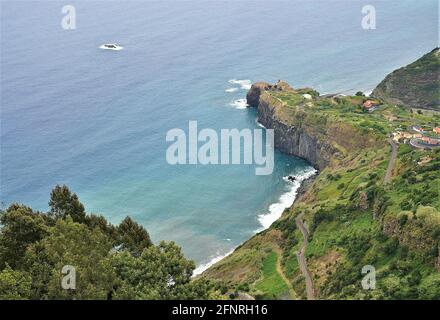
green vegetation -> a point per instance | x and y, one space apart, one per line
110 262
416 85
271 284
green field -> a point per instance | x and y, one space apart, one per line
272 284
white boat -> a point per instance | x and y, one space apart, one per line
111 46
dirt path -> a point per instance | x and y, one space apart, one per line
302 259
391 163
283 276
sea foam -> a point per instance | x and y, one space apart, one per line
275 211
285 201
259 124
244 84
214 259
239 104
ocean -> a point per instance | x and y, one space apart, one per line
96 120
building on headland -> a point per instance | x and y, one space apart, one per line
436 130
370 105
430 141
398 136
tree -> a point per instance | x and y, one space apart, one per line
21 227
160 272
63 203
360 94
74 244
133 236
14 285
39 251
99 222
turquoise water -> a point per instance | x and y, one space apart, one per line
96 120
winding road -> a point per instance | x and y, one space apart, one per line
391 163
302 259
299 223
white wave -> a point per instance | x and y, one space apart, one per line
259 124
244 84
231 90
275 211
204 266
239 104
285 201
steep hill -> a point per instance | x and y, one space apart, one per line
417 85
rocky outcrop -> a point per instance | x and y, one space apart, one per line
298 140
253 95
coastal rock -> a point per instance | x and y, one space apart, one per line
299 140
253 95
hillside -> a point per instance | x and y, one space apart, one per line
417 85
353 215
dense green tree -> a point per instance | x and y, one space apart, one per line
20 227
94 221
14 285
73 244
160 272
103 261
132 236
65 203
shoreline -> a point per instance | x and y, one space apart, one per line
298 193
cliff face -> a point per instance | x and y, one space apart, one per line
299 140
417 85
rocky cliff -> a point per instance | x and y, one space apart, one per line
296 139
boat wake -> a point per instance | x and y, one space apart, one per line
111 46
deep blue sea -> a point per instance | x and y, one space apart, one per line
96 120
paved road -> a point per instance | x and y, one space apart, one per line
392 161
302 259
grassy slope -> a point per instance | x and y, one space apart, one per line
353 219
415 85
271 282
